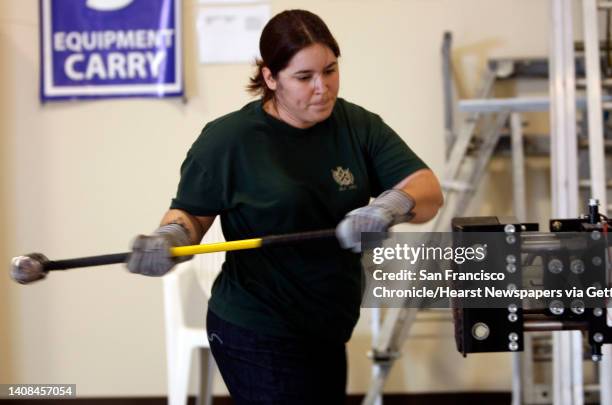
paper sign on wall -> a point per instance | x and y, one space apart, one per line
231 34
110 48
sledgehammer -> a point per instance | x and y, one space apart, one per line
35 266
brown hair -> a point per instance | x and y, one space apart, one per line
284 35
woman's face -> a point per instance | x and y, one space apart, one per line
306 90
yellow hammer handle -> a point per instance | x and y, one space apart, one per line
216 247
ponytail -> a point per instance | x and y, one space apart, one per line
257 85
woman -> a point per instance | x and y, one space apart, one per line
296 160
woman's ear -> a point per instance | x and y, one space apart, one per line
268 78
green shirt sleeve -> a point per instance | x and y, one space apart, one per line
200 191
390 159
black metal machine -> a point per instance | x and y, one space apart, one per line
572 257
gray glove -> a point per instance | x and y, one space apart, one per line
390 208
151 253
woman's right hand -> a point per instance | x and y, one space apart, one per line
151 253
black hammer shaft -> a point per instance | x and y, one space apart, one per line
273 240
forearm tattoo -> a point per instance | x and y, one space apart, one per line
179 220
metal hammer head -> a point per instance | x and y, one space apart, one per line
29 268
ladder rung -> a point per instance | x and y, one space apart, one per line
607 82
584 142
451 185
586 183
604 4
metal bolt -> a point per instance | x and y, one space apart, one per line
512 317
509 228
512 308
513 346
596 260
555 266
577 266
556 226
556 307
511 259
596 358
510 239
511 287
480 331
511 268
597 311
513 337
577 307
598 337
595 235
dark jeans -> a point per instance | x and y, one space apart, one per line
261 369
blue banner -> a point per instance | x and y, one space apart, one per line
110 48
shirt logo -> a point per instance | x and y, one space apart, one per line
344 178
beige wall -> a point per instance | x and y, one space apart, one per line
82 178
6 184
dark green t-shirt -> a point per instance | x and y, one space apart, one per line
265 177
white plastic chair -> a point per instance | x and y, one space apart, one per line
186 292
